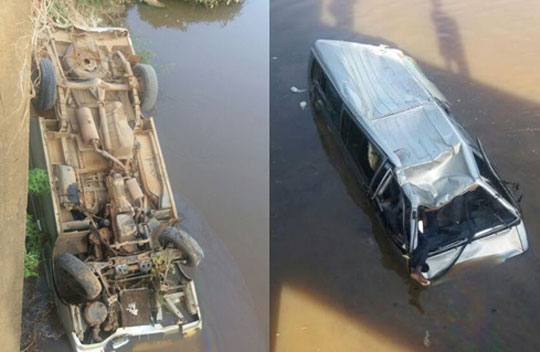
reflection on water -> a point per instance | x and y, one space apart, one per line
212 121
181 14
325 243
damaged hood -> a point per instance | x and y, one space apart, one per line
392 99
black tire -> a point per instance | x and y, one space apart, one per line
46 90
180 239
75 281
148 92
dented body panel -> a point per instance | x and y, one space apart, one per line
397 132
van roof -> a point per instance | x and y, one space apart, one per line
391 98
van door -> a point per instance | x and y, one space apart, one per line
325 95
365 155
395 211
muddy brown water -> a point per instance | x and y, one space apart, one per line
212 122
335 284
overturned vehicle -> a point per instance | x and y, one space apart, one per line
430 183
115 252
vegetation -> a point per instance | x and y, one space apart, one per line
33 247
38 184
162 263
87 12
212 3
138 45
104 12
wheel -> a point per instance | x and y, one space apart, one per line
148 86
75 281
180 239
46 89
83 61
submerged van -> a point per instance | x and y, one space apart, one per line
413 157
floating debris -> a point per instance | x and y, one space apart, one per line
303 105
296 90
427 341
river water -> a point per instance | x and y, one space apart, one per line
212 122
335 285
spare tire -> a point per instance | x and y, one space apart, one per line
75 282
191 251
46 89
148 86
83 61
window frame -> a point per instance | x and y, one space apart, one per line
322 88
506 193
407 234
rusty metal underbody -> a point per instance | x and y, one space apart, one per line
110 188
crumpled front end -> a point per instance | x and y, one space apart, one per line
495 248
170 313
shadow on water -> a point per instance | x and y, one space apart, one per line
355 192
324 240
449 40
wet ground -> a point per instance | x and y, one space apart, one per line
335 285
212 122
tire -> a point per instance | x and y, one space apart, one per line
75 281
180 239
46 90
85 64
148 92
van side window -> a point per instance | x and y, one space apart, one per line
335 103
364 154
332 101
317 75
396 210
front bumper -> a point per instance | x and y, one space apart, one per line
122 336
497 247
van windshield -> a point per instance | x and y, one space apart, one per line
463 217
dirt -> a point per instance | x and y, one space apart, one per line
15 30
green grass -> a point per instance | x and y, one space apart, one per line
33 248
138 45
38 184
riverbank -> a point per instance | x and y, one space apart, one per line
15 39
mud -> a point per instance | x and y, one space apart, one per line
335 284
